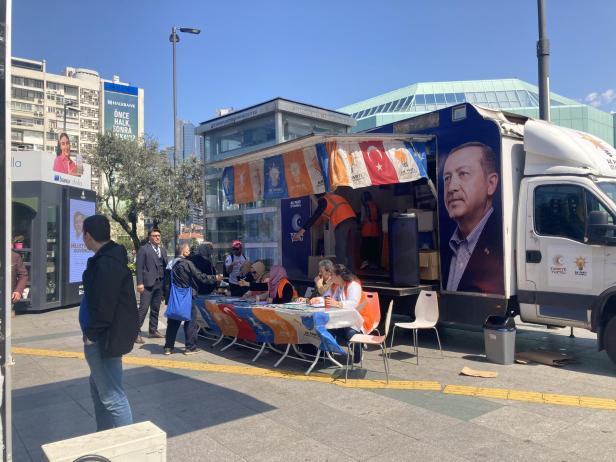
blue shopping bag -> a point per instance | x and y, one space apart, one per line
180 303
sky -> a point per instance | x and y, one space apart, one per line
329 53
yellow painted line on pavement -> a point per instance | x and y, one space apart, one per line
532 397
588 402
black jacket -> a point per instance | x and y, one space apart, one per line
150 269
484 272
185 274
111 301
205 266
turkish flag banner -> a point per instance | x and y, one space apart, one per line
378 163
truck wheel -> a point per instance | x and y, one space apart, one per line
609 338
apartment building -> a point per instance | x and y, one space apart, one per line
78 102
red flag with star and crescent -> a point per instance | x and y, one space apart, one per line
378 164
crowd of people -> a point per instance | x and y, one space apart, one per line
111 319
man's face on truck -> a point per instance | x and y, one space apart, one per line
468 187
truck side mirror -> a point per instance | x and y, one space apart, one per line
597 227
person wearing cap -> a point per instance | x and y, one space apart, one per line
233 265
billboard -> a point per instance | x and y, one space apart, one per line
121 107
45 166
78 253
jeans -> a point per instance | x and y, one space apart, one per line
111 406
343 335
191 329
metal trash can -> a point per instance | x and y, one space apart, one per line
499 338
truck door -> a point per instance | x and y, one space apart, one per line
562 273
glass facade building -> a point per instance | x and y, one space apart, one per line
239 133
511 95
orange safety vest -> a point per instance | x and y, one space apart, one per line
370 227
338 209
369 309
283 282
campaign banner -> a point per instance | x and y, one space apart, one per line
275 182
227 184
325 166
293 214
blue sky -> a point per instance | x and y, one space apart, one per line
328 53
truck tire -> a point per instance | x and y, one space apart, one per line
609 338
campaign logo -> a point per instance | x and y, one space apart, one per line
558 265
580 267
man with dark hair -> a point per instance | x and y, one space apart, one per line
475 262
108 320
151 264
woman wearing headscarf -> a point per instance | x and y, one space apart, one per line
255 280
280 290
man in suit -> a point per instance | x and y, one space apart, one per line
151 264
474 262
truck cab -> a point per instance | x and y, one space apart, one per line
565 232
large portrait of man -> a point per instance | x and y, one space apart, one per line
471 255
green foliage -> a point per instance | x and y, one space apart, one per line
139 182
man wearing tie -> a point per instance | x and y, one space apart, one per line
151 264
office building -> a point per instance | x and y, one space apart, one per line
511 95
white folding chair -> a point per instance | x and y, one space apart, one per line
426 317
379 340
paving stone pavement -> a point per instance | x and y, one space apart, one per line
231 417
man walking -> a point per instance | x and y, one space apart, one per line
151 264
108 319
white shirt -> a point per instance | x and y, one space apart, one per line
234 274
350 297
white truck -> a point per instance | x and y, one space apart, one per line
550 254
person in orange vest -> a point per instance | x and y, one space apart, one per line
338 212
280 290
349 295
370 230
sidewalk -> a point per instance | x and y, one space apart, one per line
214 412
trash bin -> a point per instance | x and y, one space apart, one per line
499 338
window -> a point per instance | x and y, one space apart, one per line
460 97
562 210
440 98
420 99
430 99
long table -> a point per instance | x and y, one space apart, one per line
288 324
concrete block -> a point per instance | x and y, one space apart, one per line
140 442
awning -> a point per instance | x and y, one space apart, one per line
320 163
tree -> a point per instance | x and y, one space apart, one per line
137 181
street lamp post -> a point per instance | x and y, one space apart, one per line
543 56
174 38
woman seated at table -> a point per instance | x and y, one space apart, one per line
256 281
278 287
349 295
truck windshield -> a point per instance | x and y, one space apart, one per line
609 188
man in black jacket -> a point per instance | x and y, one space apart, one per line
185 274
108 319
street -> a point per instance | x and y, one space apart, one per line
219 406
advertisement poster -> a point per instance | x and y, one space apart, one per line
470 211
78 253
121 110
43 166
293 214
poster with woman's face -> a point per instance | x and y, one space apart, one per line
64 163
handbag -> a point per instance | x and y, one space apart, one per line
180 303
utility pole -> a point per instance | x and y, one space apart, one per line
543 58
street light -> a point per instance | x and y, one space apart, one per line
174 38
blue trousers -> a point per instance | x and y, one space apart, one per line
111 406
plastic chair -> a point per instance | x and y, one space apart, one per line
426 317
379 340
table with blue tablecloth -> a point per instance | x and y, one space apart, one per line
287 324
